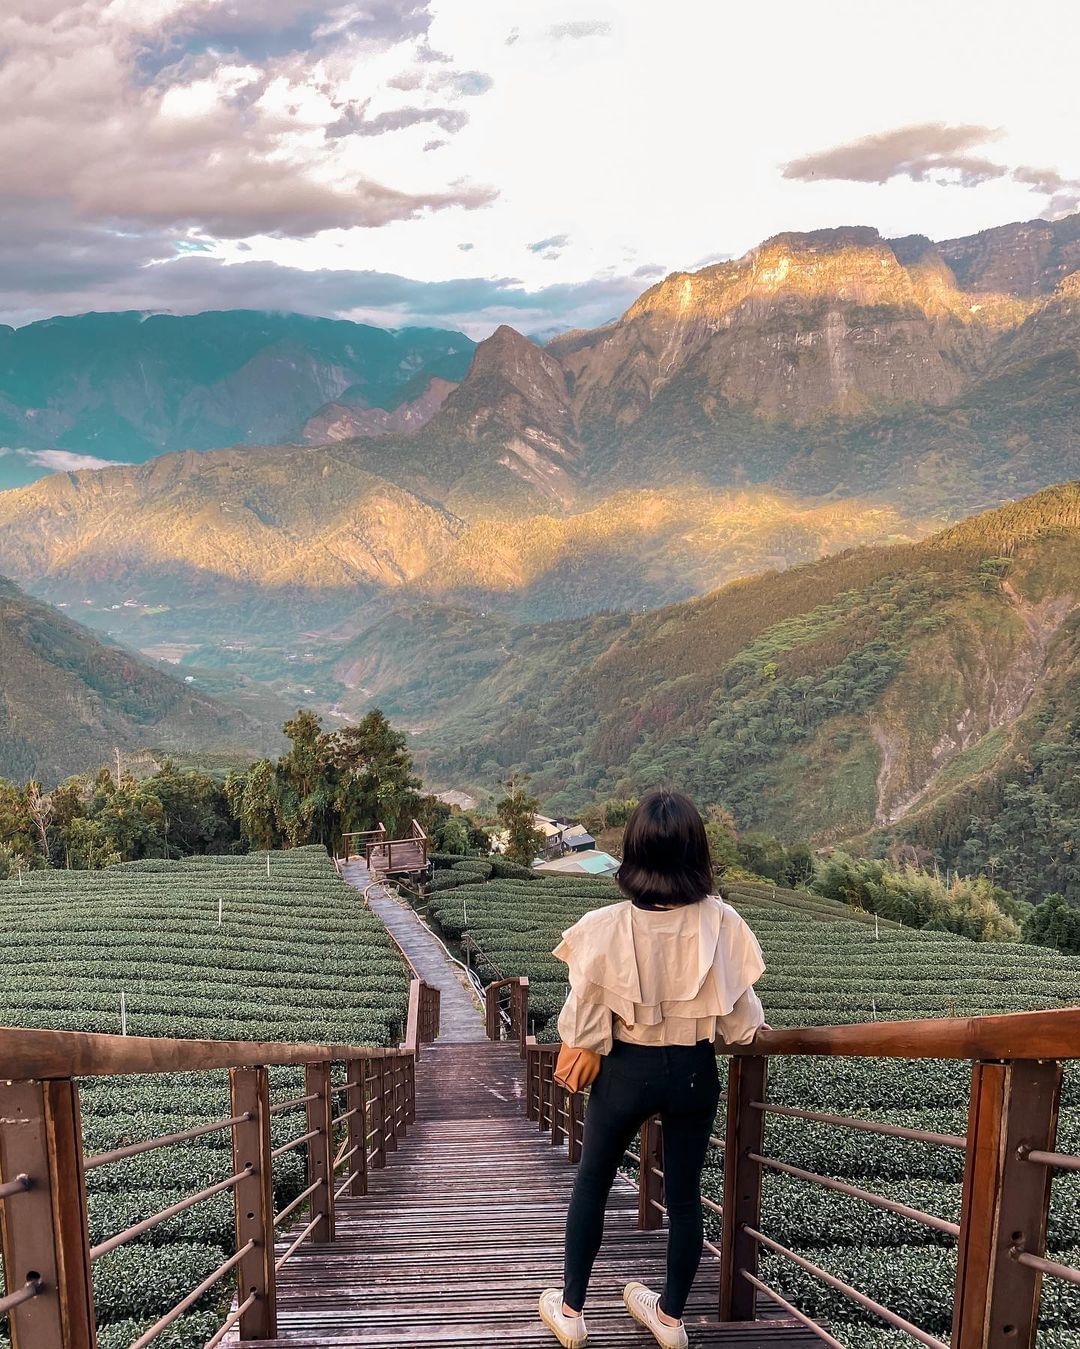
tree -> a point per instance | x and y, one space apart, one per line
328 783
1054 923
252 798
452 836
305 784
375 782
722 834
40 808
969 906
18 837
197 817
517 813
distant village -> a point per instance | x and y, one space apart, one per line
567 846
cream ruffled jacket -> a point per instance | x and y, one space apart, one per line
660 976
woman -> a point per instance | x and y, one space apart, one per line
654 980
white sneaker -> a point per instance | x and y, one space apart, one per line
568 1330
641 1304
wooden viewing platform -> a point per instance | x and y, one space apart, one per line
386 856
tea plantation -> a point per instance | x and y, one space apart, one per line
826 965
295 956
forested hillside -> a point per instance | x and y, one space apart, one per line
68 698
817 701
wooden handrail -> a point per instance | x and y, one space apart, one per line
1016 1075
46 1054
422 1024
1016 1035
44 1223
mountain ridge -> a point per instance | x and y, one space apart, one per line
821 701
129 385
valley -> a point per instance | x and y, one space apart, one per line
69 700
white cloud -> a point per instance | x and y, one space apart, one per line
665 145
59 461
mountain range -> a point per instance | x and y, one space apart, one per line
465 534
127 386
862 692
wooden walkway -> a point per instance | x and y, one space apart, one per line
464 1227
460 1015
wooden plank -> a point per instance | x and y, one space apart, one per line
1018 1035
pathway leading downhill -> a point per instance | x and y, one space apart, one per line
461 1018
463 1227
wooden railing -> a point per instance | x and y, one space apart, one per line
1010 1160
423 1023
345 1129
356 843
386 855
506 1008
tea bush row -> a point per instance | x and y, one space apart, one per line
296 957
830 966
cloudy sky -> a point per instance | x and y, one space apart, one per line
470 162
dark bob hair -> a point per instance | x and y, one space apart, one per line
666 858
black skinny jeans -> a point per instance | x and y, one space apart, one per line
681 1084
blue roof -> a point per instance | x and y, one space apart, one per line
600 864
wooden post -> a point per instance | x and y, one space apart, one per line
1014 1108
747 1078
545 1085
377 1101
320 1149
558 1101
530 1089
357 1125
521 999
386 1088
573 1149
401 1113
43 1230
491 1012
650 1185
253 1201
410 1089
